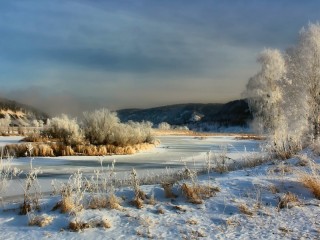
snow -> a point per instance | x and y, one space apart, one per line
9 140
218 217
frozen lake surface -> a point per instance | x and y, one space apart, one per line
173 153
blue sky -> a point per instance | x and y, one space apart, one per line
71 56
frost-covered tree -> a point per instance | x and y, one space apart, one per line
35 123
66 129
41 123
98 126
305 75
264 90
284 95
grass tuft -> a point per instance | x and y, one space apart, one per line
40 220
243 208
288 200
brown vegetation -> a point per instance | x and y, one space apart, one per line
78 225
60 149
167 186
312 182
288 200
196 194
243 208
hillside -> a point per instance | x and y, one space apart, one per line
20 114
234 113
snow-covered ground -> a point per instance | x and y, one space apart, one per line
219 217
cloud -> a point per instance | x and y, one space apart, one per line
139 53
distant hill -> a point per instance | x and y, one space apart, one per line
234 113
20 114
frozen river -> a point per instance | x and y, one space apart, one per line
173 153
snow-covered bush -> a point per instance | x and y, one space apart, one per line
35 123
65 129
164 126
104 127
99 126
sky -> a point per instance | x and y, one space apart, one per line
69 56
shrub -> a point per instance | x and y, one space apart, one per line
72 195
98 126
164 126
65 129
103 127
139 195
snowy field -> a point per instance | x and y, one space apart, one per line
246 207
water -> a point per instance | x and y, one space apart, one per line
174 153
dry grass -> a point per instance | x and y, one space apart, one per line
316 147
243 208
32 190
312 182
98 202
79 225
311 179
181 132
168 190
160 210
152 200
51 149
139 195
191 194
113 202
250 137
303 160
192 221
288 200
43 150
160 132
137 202
72 195
281 168
273 189
40 221
34 137
197 193
66 205
179 208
